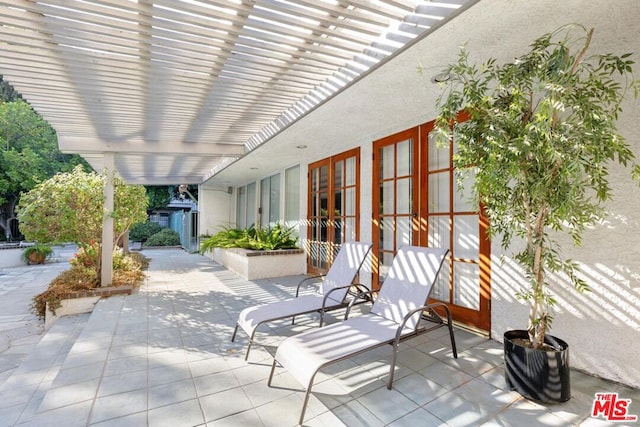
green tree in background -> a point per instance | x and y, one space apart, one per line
159 196
69 208
7 92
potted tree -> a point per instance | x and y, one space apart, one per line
37 253
538 135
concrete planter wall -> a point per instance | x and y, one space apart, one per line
82 302
11 257
261 264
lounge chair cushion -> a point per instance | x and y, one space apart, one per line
342 273
408 283
251 317
344 269
304 354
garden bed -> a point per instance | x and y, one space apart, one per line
251 264
10 256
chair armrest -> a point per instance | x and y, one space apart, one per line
338 288
416 310
366 295
363 289
305 280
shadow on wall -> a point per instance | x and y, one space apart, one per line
602 326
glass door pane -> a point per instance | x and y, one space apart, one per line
250 216
241 207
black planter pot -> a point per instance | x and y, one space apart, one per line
541 375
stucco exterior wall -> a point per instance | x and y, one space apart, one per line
215 209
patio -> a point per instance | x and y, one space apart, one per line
163 357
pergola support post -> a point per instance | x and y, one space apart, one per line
106 270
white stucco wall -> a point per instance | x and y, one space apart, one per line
215 209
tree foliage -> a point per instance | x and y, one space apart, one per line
7 92
161 195
28 152
539 135
70 208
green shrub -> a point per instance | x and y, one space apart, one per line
86 255
165 237
128 271
266 238
141 231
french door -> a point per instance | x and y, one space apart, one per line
333 207
417 201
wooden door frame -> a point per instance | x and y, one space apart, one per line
330 162
409 134
480 319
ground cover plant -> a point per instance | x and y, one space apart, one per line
255 238
128 270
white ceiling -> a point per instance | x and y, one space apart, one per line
179 89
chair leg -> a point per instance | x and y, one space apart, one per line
453 340
233 337
273 368
304 404
246 354
253 334
392 368
306 396
451 336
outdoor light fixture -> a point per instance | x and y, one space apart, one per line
441 78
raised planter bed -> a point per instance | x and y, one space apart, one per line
10 256
253 265
82 302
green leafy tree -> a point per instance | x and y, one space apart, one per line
70 208
160 195
538 135
7 92
28 154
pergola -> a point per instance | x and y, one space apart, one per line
173 91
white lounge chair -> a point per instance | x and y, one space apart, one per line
331 295
394 316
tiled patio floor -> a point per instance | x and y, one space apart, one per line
163 357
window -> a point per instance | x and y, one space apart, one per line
246 206
292 195
270 200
